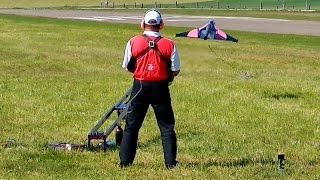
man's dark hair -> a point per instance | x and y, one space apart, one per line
153 27
152 21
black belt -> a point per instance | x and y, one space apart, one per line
151 82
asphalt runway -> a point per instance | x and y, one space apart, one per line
248 24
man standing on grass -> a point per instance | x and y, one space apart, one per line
154 62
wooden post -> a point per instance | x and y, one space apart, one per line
124 5
103 3
197 5
135 4
218 4
261 5
141 5
112 4
176 4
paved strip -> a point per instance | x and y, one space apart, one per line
248 24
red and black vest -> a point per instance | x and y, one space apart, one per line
150 59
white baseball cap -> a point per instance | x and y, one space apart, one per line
152 17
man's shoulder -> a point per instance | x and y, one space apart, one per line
135 37
167 39
141 37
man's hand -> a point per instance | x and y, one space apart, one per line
170 80
174 73
171 76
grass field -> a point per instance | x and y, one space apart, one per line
60 3
57 77
224 4
292 15
257 4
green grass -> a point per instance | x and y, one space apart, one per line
57 77
256 4
237 4
60 3
292 15
208 8
225 4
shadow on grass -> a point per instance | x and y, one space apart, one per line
230 163
149 142
157 139
283 95
99 148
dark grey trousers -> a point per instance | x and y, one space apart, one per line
157 95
